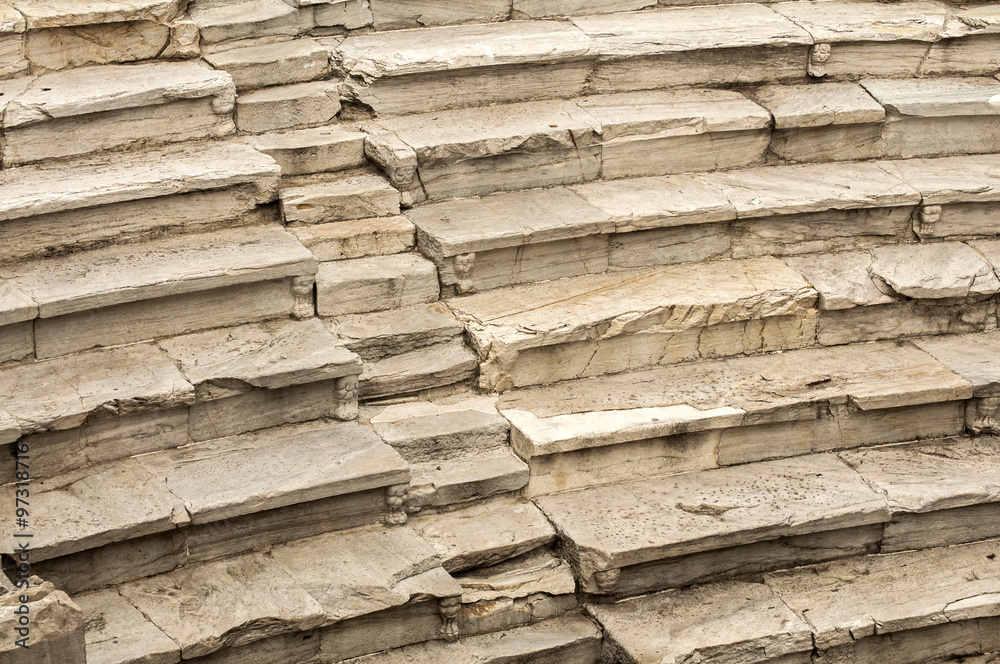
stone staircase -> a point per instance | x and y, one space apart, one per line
499 331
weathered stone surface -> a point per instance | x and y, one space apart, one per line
352 196
87 509
366 570
373 284
726 622
118 634
253 472
715 393
542 8
171 266
901 591
318 150
358 238
819 105
969 356
347 14
58 13
485 534
970 43
287 106
842 279
59 48
280 63
933 271
504 323
271 355
235 601
399 14
419 369
248 18
467 478
618 525
927 477
965 179
56 625
63 393
116 178
376 335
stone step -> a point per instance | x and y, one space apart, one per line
90 109
230 381
164 287
712 413
158 511
335 596
477 151
316 150
568 639
457 450
288 106
376 283
277 63
430 69
227 21
117 198
485 533
406 350
345 196
905 607
535 235
619 321
647 535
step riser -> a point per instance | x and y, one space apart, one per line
941 528
162 552
120 223
132 128
832 429
641 156
778 554
168 316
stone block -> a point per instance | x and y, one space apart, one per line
374 284
399 14
318 150
353 196
288 106
56 631
61 48
280 63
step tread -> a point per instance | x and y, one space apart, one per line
117 633
813 105
625 524
339 198
119 177
484 534
590 412
210 481
157 268
100 89
418 369
383 333
545 215
966 355
822 605
268 355
252 472
963 179
901 591
929 476
629 301
937 97
839 21
65 13
63 392
545 643
403 52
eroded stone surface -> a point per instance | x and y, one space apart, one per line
626 524
937 97
357 196
964 179
373 284
56 624
377 335
59 13
287 106
819 105
117 633
223 604
933 271
902 591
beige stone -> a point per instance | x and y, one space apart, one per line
358 238
318 150
902 591
248 473
419 369
819 105
56 13
366 570
55 632
969 356
948 180
373 284
726 622
524 577
842 280
624 524
352 196
377 335
240 600
398 14
542 8
280 63
119 633
288 106
482 535
933 271
59 48
346 14
245 19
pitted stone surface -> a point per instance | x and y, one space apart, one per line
267 355
924 477
117 633
901 591
624 524
866 21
